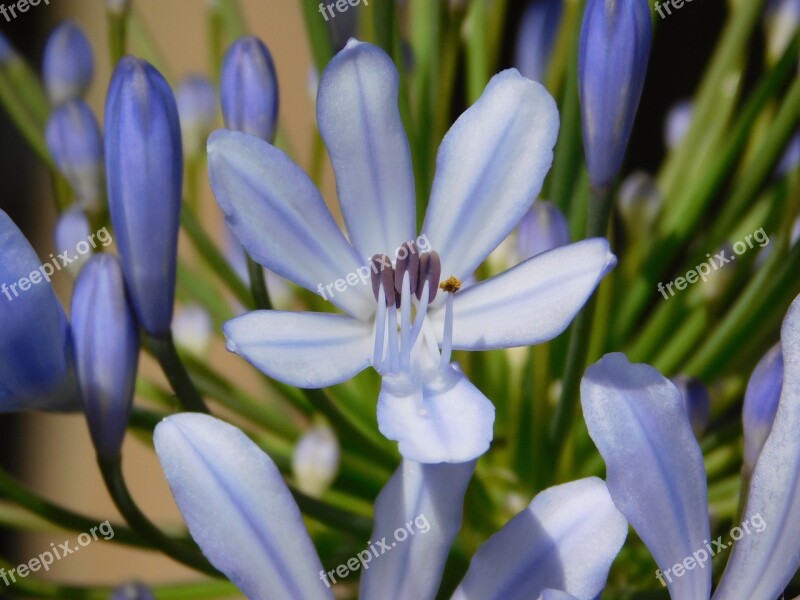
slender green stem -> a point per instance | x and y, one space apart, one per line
333 515
117 31
579 341
111 468
21 116
317 33
167 355
258 285
215 259
59 516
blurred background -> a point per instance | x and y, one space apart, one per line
53 454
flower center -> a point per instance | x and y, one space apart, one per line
411 283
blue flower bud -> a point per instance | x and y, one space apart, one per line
249 89
36 366
132 591
677 123
197 107
6 50
781 18
790 158
761 404
315 460
193 330
544 227
696 401
76 145
639 203
68 63
144 172
612 63
536 38
106 342
72 227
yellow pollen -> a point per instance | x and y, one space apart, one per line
452 285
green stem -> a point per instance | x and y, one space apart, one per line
332 515
258 285
60 516
111 468
167 355
20 114
317 33
117 31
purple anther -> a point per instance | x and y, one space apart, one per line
430 270
382 274
407 261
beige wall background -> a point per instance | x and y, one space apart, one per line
58 460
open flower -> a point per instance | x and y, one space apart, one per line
657 479
243 516
405 314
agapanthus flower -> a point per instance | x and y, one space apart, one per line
68 63
761 403
72 226
405 314
36 360
315 460
242 515
536 37
657 479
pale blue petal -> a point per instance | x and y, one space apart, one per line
530 303
763 562
555 595
566 539
489 170
238 508
280 218
360 122
426 501
654 466
304 349
445 420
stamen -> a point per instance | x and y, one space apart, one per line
422 309
430 270
382 274
380 332
394 362
447 334
407 262
452 284
405 323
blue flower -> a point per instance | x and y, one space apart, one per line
249 89
144 172
612 63
657 478
68 63
536 37
696 401
761 403
71 228
489 170
76 145
242 515
6 50
544 228
36 366
106 342
197 108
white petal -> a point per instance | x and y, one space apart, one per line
360 122
304 349
654 466
489 170
280 218
530 303
446 420
764 560
238 508
566 539
426 501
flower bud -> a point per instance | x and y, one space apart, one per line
197 107
544 227
144 172
74 140
249 89
72 227
6 50
639 203
696 401
106 342
192 330
790 158
315 462
132 591
68 63
781 18
677 123
118 7
761 404
36 366
536 38
612 63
